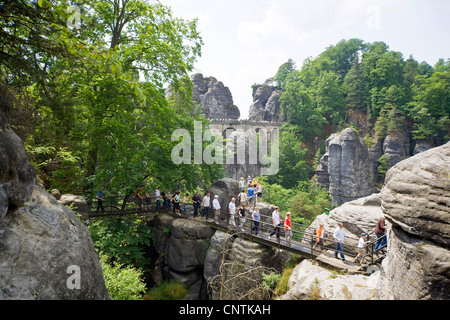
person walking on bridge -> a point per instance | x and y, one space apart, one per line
380 232
288 229
231 212
256 216
99 197
241 213
206 205
158 199
339 236
319 237
276 221
216 207
196 201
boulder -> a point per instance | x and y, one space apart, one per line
226 189
45 251
309 281
422 146
77 203
182 246
40 243
396 147
187 245
56 194
17 175
416 195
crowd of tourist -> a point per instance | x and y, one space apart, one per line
240 207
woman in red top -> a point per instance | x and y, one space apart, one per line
288 229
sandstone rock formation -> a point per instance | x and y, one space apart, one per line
309 281
396 146
39 244
240 258
226 189
346 169
416 200
266 105
214 98
416 203
193 253
78 203
182 245
42 242
17 176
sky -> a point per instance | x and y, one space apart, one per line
246 41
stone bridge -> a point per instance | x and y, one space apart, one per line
244 163
244 125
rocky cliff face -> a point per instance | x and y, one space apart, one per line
214 98
346 169
42 242
416 200
349 168
192 252
265 106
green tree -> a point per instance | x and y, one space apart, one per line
298 108
292 159
430 108
329 98
283 72
101 91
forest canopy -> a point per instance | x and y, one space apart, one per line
89 80
361 85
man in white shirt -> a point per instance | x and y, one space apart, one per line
232 211
339 236
216 207
276 221
206 204
158 198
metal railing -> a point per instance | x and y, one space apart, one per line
303 236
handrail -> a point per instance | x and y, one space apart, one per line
301 234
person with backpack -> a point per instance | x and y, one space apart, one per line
319 237
100 200
250 195
185 201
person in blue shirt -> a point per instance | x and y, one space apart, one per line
251 195
99 198
256 218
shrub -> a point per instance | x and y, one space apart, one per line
123 283
123 241
167 291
